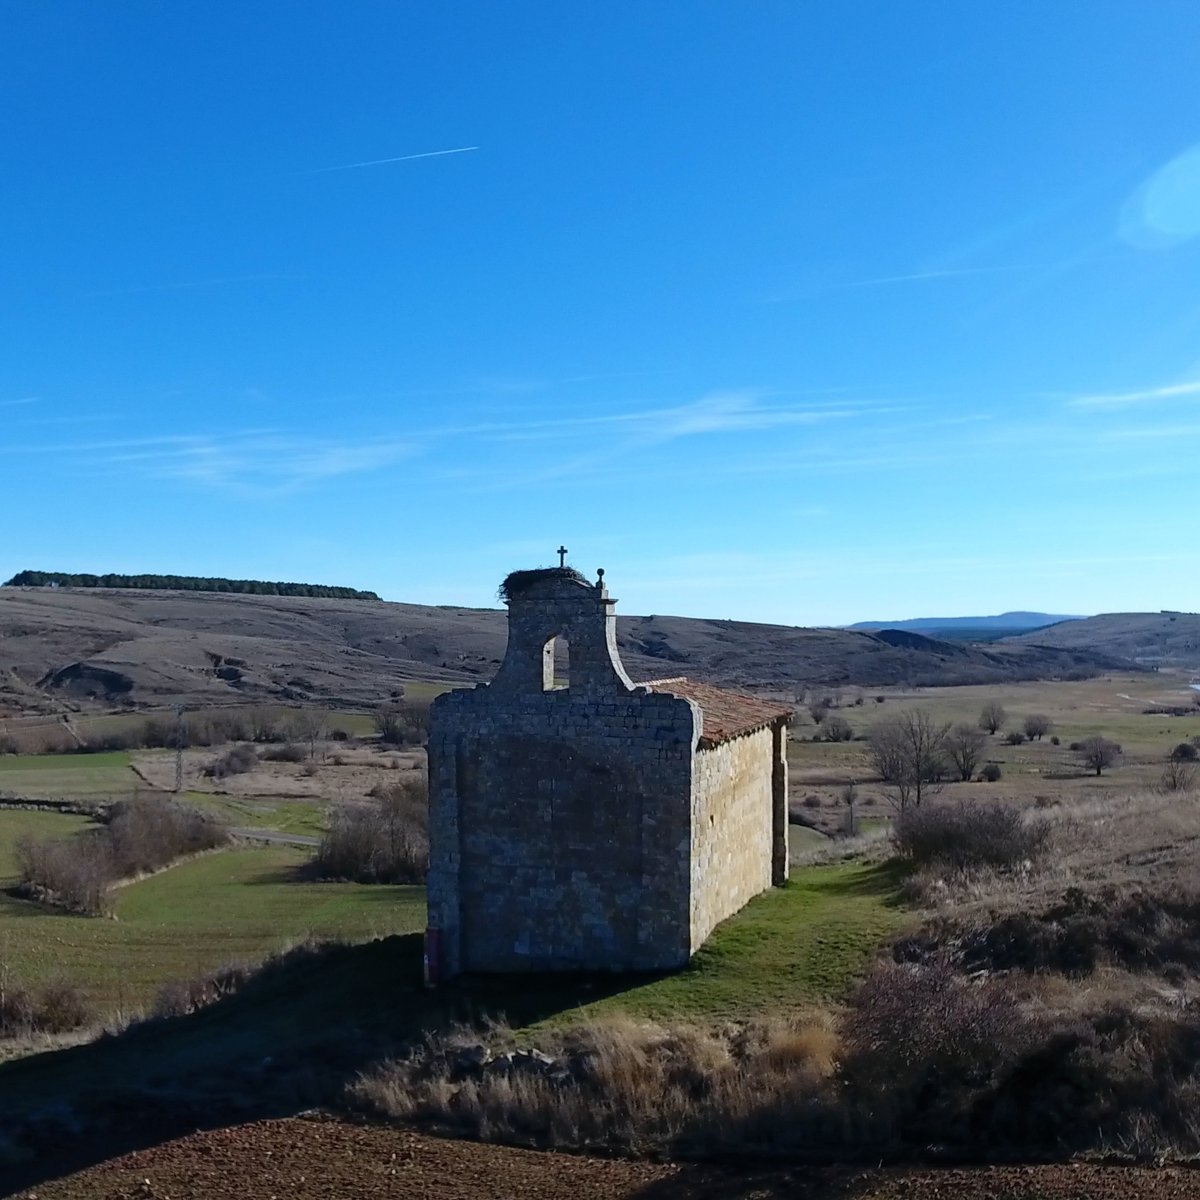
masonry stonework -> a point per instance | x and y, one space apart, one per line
603 825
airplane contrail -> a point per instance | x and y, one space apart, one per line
375 162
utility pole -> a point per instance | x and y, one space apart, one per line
179 739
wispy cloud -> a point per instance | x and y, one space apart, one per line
1156 395
379 162
188 284
612 443
728 412
923 276
21 400
260 463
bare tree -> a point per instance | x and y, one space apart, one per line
964 748
819 709
263 724
908 751
1037 725
1178 776
993 716
312 726
1098 752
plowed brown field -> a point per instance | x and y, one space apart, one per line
330 1160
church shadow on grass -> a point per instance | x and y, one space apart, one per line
291 1039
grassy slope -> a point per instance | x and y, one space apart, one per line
790 947
80 776
237 904
16 823
801 944
298 1034
248 812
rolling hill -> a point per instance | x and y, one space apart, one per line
982 629
1162 639
130 648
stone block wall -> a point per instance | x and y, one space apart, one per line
733 828
560 831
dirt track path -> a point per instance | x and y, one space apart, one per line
329 1160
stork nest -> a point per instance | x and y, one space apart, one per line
516 582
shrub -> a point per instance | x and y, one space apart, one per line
381 841
1185 752
1178 776
915 1033
147 833
16 1008
113 739
237 761
58 1006
1036 726
990 772
142 835
179 997
983 833
1137 931
1014 737
1055 740
402 724
836 729
74 873
159 733
288 752
62 1005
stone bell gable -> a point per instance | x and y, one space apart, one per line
597 824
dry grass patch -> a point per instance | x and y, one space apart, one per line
622 1084
920 1061
1144 841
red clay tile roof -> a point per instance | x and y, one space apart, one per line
726 714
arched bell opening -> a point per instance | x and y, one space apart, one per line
556 664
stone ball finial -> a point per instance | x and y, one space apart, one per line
599 576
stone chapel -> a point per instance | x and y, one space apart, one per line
601 825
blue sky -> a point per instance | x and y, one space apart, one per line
794 312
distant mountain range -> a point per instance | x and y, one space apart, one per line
972 628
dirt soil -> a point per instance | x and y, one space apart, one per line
324 1159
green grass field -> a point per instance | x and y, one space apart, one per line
235 904
16 823
249 812
801 943
793 946
75 776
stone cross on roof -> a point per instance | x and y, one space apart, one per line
562 556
